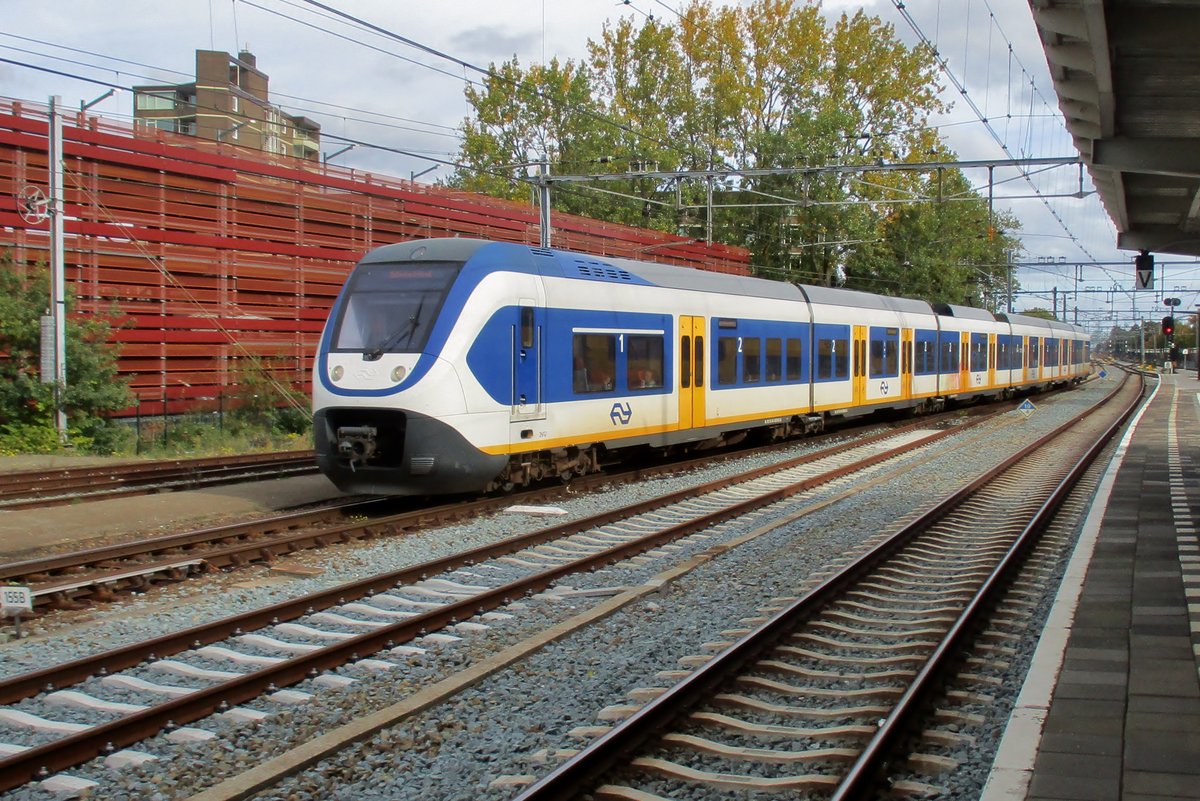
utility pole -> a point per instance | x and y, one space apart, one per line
708 220
544 200
58 292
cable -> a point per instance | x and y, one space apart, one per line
945 68
450 132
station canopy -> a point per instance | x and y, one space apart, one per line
1127 75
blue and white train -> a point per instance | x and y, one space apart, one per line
456 365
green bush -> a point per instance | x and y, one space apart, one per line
93 389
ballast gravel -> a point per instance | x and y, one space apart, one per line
513 722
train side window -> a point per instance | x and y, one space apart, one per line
824 358
884 351
526 326
751 360
833 358
727 348
979 352
795 360
699 362
926 354
644 362
685 363
774 371
595 362
950 353
1035 352
883 357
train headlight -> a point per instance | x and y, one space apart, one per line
398 374
337 372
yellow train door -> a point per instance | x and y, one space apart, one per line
993 347
858 368
691 372
964 362
906 363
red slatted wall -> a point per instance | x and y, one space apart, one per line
213 252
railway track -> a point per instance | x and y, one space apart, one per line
102 573
375 620
39 488
818 697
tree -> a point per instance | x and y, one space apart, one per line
768 84
26 403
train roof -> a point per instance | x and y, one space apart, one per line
830 296
669 276
672 276
444 249
964 312
572 264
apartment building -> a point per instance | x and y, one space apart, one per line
228 102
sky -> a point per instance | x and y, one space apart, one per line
369 87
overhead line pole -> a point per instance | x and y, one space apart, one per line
58 289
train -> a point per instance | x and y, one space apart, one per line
453 366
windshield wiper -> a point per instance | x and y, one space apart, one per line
409 328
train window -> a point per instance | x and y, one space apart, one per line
595 362
883 357
526 326
774 363
391 307
979 352
832 358
950 352
685 362
824 358
699 362
751 360
925 351
644 362
727 348
1002 360
1034 351
795 364
1018 352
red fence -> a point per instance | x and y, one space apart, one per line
214 254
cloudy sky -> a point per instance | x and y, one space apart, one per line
366 86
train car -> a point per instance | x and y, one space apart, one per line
455 365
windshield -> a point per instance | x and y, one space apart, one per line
390 308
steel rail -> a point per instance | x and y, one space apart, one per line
46 591
67 673
860 780
58 563
25 489
73 749
579 772
246 549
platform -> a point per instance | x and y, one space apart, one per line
1111 708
